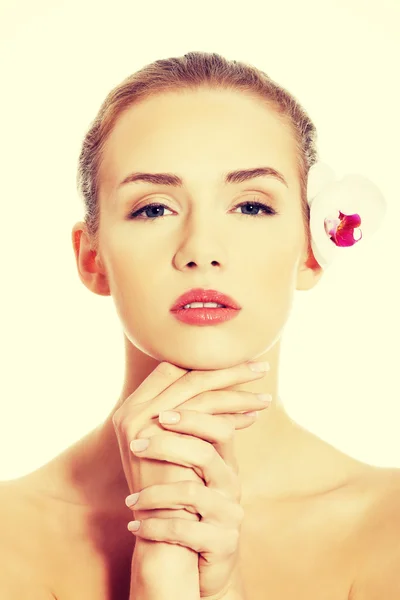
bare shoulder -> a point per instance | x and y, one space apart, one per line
385 484
22 543
380 486
384 522
378 573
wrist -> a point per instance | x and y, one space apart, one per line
161 571
227 593
151 555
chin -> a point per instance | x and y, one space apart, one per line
206 364
208 359
205 350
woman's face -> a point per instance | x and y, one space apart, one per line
203 240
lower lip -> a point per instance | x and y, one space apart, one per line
205 316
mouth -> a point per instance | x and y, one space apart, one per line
204 298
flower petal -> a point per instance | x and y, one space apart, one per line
354 197
319 176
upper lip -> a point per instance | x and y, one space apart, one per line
202 295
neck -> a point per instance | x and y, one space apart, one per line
275 456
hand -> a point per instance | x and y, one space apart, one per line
168 387
216 537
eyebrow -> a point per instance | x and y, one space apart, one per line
171 179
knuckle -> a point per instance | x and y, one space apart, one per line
150 528
117 419
124 417
194 402
174 528
147 496
208 455
232 541
123 426
238 492
228 431
239 513
149 431
192 490
122 420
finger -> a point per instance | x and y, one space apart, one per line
194 497
191 452
219 403
211 428
158 387
160 379
226 401
197 535
215 429
242 420
226 451
197 382
236 405
239 421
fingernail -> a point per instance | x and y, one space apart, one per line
132 499
169 416
259 366
138 445
253 413
133 525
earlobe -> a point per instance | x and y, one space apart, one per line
100 277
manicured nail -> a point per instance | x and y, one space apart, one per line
169 416
133 525
138 445
259 366
132 499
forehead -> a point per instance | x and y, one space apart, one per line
198 134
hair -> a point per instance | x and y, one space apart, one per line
192 71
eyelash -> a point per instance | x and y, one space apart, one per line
268 211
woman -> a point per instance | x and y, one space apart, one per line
284 514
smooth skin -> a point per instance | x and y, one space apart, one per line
292 482
214 493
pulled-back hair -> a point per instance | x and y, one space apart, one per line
190 72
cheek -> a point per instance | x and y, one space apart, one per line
276 288
128 262
280 260
277 280
126 278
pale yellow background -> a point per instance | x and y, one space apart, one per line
61 346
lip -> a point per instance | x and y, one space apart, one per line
203 295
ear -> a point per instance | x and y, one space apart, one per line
89 263
309 271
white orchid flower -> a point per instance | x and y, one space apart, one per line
342 212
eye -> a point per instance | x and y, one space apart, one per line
147 207
265 209
255 204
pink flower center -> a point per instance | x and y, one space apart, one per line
341 230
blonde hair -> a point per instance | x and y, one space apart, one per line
192 71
